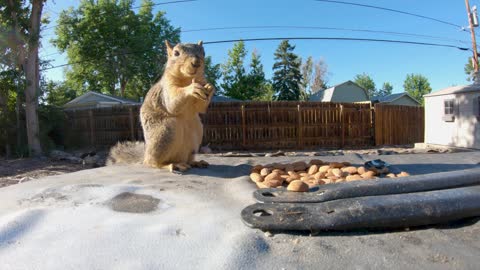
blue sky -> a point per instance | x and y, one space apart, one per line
384 62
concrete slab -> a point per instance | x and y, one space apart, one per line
133 217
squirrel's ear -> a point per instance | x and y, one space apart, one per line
200 43
169 47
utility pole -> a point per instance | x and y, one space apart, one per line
473 21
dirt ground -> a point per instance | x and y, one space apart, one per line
14 171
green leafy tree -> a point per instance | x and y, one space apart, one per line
212 72
366 82
469 69
287 77
385 90
417 85
113 49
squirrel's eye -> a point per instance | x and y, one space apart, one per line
176 53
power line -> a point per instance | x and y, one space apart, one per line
154 4
320 28
392 10
289 38
325 28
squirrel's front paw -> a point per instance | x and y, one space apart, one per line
210 88
198 91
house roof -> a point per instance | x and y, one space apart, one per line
328 92
224 99
109 98
455 90
393 97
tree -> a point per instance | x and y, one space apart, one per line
212 72
307 78
319 76
57 93
385 90
256 84
287 77
112 49
417 85
234 74
469 69
24 20
366 82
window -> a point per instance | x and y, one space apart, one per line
449 109
448 105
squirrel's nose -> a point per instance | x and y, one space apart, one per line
196 63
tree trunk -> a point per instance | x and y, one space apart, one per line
18 106
123 85
31 68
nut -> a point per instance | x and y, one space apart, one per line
361 170
299 166
313 169
297 186
273 176
403 174
265 172
273 182
391 175
337 165
256 168
368 175
319 175
316 162
337 172
324 168
350 170
353 177
256 177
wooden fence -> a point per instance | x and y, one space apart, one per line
260 125
399 124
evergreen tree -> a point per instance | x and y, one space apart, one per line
233 72
256 85
286 77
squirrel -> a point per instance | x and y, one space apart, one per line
169 114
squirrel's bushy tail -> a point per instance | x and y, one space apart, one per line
126 153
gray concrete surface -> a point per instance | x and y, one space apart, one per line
140 218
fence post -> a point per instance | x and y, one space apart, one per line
244 128
300 126
342 125
132 123
92 128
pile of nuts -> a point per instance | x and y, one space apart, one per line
301 176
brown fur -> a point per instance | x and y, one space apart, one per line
170 113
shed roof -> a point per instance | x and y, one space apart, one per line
455 90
